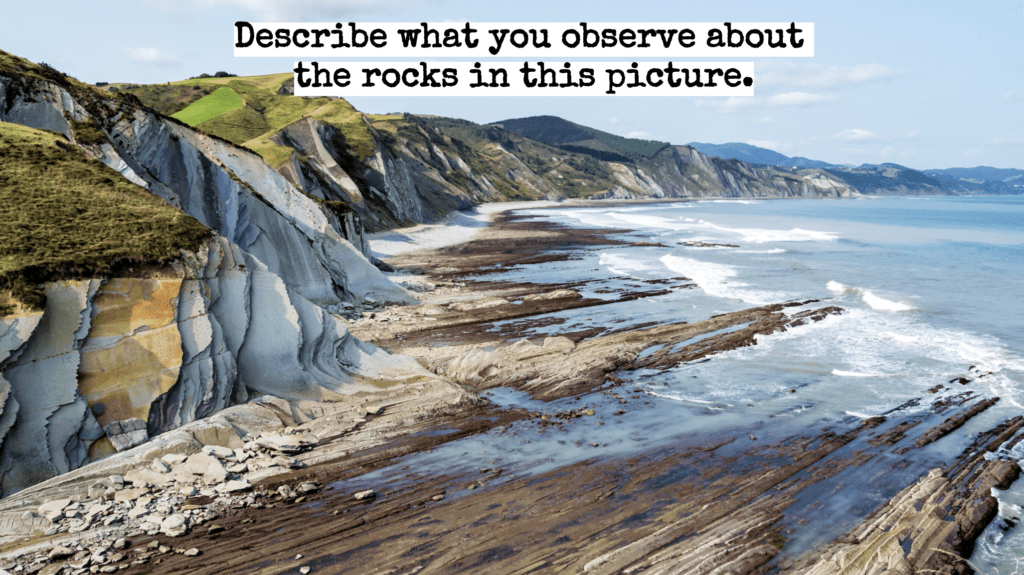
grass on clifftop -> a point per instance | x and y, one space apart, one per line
221 101
66 216
259 114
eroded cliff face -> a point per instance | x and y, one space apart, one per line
421 170
178 345
229 189
112 361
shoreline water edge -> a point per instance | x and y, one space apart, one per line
600 395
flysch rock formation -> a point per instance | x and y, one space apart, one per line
211 332
184 479
249 314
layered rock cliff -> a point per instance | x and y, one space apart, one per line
110 361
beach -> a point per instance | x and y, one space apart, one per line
568 444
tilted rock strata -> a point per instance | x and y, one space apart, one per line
226 188
168 351
558 367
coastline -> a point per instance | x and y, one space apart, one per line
662 507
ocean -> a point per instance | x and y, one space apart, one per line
931 288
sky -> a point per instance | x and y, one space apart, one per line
923 84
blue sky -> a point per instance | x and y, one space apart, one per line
923 84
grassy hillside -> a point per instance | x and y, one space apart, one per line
67 216
220 101
258 113
573 137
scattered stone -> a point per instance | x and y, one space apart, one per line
174 525
219 452
60 552
205 465
130 494
54 510
234 486
160 466
213 529
289 462
284 443
286 492
121 544
304 569
309 487
192 552
368 494
437 497
174 458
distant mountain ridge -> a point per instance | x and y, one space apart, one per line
573 137
885 178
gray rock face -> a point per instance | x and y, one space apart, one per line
248 312
126 434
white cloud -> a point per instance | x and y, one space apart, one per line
613 120
800 99
731 104
973 151
151 57
788 75
765 120
314 10
1008 139
855 135
639 135
736 104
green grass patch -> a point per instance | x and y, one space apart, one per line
67 216
170 99
221 100
237 126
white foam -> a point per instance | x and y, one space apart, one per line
882 304
761 235
842 373
621 265
647 221
716 280
730 202
860 415
835 286
874 301
772 251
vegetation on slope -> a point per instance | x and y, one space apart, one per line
166 99
67 216
23 73
583 139
261 112
220 101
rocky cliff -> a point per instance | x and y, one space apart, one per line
247 314
129 355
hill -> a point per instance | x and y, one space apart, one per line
574 137
68 216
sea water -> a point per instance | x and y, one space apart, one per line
932 288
